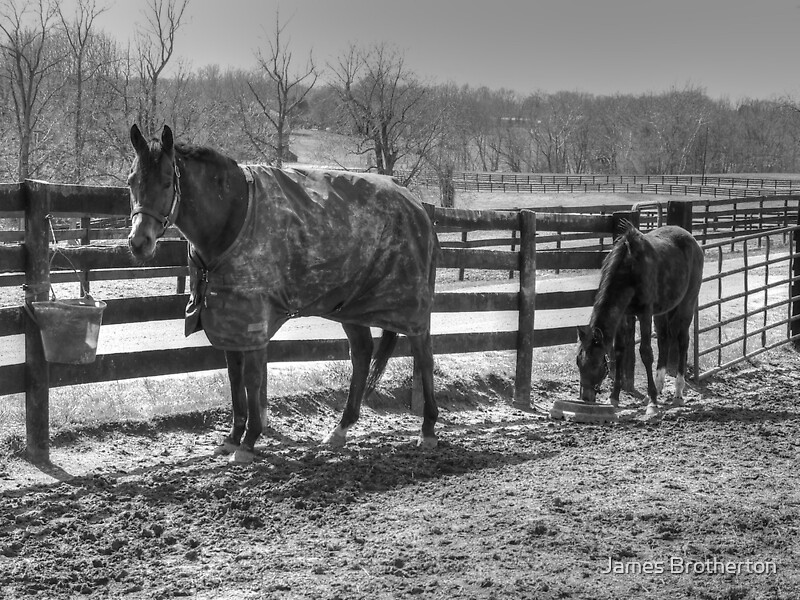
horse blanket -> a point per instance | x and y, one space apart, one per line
351 247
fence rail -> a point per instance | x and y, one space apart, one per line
40 263
752 287
670 185
538 241
534 181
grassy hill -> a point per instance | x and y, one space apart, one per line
325 148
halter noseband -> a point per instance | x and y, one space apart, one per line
606 361
169 218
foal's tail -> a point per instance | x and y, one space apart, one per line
379 361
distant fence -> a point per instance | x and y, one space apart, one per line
670 185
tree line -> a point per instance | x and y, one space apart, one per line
69 93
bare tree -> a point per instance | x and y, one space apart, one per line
117 88
385 105
554 120
287 95
30 71
156 45
78 32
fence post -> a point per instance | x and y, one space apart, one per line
679 212
86 224
527 305
464 239
37 288
627 326
513 247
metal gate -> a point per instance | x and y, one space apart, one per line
750 298
748 302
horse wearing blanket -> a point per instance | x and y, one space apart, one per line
268 245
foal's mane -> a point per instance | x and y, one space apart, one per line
613 262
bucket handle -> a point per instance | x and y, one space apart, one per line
57 252
28 309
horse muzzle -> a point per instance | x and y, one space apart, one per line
141 245
588 393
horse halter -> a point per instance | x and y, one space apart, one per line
169 218
606 362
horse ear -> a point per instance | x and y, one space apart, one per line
166 139
584 334
597 336
138 141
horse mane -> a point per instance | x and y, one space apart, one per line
203 154
614 261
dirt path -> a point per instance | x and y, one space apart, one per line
511 504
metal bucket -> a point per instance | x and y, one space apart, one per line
69 329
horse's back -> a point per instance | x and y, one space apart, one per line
669 239
367 196
349 247
680 266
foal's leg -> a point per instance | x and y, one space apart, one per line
230 443
683 354
423 354
664 342
253 364
619 352
646 354
360 339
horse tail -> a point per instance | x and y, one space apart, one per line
379 361
624 226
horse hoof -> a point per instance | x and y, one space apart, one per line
225 448
427 442
242 456
678 401
652 413
335 440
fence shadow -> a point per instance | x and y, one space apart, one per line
287 470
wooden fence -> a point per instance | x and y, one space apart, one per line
541 241
36 263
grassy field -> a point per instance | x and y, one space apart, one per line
506 201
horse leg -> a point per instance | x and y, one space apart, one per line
235 362
253 365
646 354
683 355
360 339
423 355
619 352
664 341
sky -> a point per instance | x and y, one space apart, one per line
733 49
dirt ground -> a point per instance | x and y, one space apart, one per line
703 504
